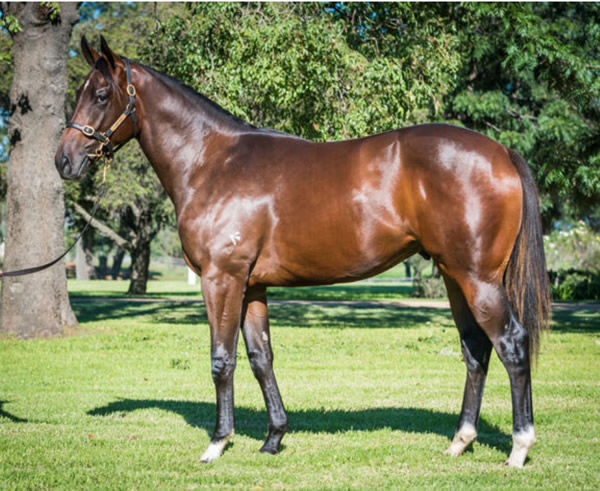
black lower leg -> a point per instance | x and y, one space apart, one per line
476 349
513 350
258 346
222 373
278 423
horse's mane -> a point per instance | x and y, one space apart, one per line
177 85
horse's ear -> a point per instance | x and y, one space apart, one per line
89 53
102 65
106 51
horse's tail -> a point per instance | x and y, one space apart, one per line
525 278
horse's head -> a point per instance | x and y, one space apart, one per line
104 113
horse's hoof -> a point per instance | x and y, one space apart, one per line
454 450
461 440
522 442
214 450
274 437
515 465
270 449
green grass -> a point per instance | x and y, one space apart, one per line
373 394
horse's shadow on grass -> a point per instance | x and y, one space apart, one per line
293 314
11 417
252 422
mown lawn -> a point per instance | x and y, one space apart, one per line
373 394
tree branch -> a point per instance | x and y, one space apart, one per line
104 229
494 127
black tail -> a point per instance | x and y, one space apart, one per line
525 278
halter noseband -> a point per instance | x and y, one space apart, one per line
106 149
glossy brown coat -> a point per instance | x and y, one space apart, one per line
257 208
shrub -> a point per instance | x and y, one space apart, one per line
574 246
573 284
428 287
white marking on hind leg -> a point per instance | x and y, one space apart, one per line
463 437
215 449
522 442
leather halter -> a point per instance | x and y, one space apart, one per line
106 149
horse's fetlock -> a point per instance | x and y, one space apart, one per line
279 428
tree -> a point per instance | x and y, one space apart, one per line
36 305
291 67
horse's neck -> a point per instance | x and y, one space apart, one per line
178 135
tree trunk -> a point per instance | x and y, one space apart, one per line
140 263
140 256
102 270
116 263
36 305
84 261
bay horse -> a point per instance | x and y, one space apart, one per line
258 208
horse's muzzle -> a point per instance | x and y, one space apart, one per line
67 170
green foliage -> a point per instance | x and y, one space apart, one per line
429 287
573 258
575 284
53 10
11 24
290 67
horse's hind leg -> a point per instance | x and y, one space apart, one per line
260 354
492 312
476 348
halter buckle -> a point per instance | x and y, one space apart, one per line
131 90
88 130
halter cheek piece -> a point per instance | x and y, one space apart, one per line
106 149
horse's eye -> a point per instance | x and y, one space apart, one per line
101 97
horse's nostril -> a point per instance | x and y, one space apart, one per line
65 163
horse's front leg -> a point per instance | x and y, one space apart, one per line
223 296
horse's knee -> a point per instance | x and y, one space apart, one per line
260 362
222 367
